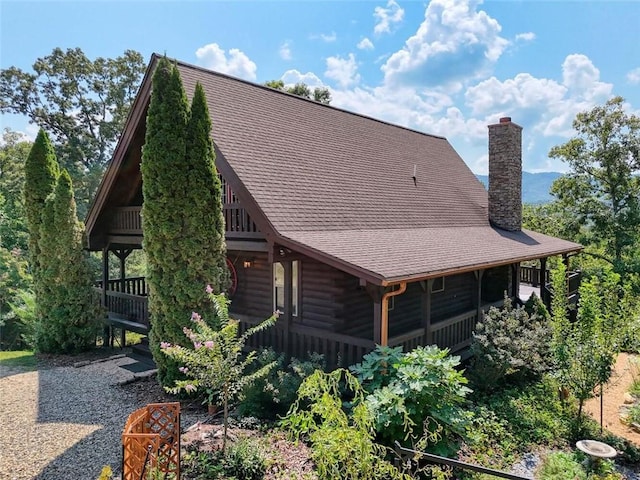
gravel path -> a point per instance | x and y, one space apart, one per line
65 422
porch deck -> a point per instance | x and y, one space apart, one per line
127 307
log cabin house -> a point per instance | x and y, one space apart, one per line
361 232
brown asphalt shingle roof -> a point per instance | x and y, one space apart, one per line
338 186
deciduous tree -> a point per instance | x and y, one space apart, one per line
602 189
319 94
82 103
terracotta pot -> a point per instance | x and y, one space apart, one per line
212 409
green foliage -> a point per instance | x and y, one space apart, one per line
510 345
601 192
561 466
422 397
585 350
245 460
82 103
319 94
272 396
14 152
342 442
215 364
14 280
41 173
67 308
184 230
533 413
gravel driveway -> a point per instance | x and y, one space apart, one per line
65 422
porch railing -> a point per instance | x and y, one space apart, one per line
126 221
238 223
454 333
339 350
131 285
531 276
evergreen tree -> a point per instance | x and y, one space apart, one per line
41 172
163 161
68 309
182 212
204 240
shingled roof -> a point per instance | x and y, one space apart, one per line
340 186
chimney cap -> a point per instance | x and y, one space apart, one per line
505 120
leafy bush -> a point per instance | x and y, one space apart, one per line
342 441
245 460
534 413
511 345
420 396
216 363
561 466
272 395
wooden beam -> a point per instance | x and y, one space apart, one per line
246 246
425 306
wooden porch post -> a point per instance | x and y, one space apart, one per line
288 302
478 294
376 295
426 310
515 280
107 339
543 273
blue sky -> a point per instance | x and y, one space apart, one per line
446 67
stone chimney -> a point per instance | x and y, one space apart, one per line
505 175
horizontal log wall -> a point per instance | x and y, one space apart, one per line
457 297
254 294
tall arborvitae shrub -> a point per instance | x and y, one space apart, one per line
184 230
204 239
69 311
41 173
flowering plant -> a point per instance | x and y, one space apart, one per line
216 363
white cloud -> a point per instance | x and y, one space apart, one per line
633 77
542 105
291 77
525 37
454 41
365 44
343 70
285 51
387 17
325 37
236 63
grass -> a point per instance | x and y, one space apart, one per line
18 358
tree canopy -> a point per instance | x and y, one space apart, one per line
601 192
319 94
82 103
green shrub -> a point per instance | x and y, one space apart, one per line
245 460
510 346
422 396
272 396
561 466
342 440
534 413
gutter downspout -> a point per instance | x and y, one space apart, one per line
384 327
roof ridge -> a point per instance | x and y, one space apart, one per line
155 56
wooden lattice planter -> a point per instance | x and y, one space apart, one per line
151 440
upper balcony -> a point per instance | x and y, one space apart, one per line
238 223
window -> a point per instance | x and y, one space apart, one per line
438 285
282 281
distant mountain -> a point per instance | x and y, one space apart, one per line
535 186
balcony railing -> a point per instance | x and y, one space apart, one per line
238 223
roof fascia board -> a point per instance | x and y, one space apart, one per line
131 125
471 268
